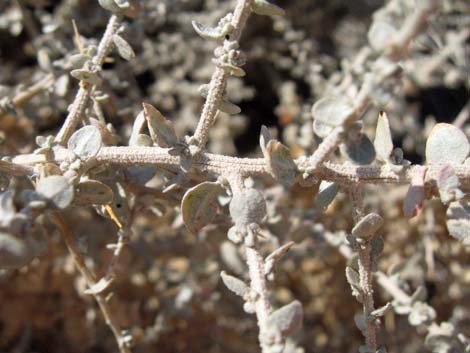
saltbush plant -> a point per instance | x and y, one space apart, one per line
254 223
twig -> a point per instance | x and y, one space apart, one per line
90 278
365 272
83 95
219 77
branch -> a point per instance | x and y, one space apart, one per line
219 77
83 95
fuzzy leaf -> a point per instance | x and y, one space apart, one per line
282 166
367 226
448 184
361 152
264 138
57 190
330 112
286 319
326 194
413 202
446 144
247 206
86 75
124 49
206 32
352 276
199 205
236 285
85 142
383 138
458 221
229 108
264 8
93 192
382 310
161 129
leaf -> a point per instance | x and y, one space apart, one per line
247 206
280 162
448 184
264 8
93 192
458 221
446 144
86 75
382 310
236 285
367 226
352 276
383 138
161 129
124 49
275 256
14 252
330 112
100 286
210 33
380 33
286 319
361 152
85 142
199 205
326 194
57 190
421 313
264 138
228 107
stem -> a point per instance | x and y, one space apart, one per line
219 77
90 278
83 95
365 272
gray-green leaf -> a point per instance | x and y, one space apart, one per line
85 142
286 319
93 192
161 129
57 190
446 144
124 49
236 285
330 112
264 8
383 138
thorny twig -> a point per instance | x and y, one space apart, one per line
219 77
90 278
84 92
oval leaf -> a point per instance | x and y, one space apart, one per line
247 206
286 319
367 226
361 152
57 190
446 144
280 162
264 8
199 205
86 142
326 194
380 34
124 49
330 112
93 192
236 285
86 75
208 32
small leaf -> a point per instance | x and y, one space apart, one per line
286 319
367 226
208 32
199 205
264 138
236 285
383 138
124 49
280 162
382 310
458 221
100 286
57 190
247 206
326 194
448 184
93 192
421 313
446 144
85 142
275 256
330 112
352 276
14 252
380 34
86 75
161 129
361 152
264 8
229 108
